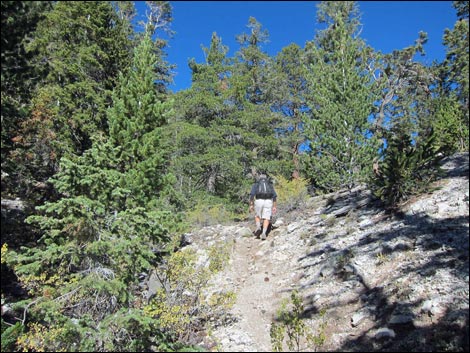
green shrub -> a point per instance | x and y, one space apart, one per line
407 169
452 134
9 336
290 323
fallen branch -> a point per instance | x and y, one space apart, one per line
13 204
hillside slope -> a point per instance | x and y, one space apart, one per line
369 281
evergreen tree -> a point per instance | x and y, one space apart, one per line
79 48
253 63
207 156
159 18
135 130
19 21
404 90
447 121
417 121
457 57
341 101
455 71
108 226
252 93
209 81
290 100
225 128
407 168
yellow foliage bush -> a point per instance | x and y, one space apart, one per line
4 252
291 194
173 317
206 215
219 256
40 338
184 303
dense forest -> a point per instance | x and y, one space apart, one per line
103 167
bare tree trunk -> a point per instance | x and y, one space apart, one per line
211 181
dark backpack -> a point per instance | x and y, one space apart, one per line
264 189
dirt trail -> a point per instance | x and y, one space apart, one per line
256 282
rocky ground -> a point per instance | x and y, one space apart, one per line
369 281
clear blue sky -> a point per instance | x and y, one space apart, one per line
387 25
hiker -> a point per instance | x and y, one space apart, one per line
263 201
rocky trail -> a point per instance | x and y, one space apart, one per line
369 281
256 296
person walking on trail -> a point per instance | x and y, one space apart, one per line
263 199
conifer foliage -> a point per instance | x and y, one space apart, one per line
341 100
407 169
74 57
107 227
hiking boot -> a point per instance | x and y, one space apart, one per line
263 236
258 232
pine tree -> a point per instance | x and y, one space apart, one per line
290 100
206 156
341 100
19 21
455 71
76 51
225 129
407 168
405 93
252 91
253 63
111 221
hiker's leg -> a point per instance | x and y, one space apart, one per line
267 211
258 229
265 225
258 211
265 228
257 222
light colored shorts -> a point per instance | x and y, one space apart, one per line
263 208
